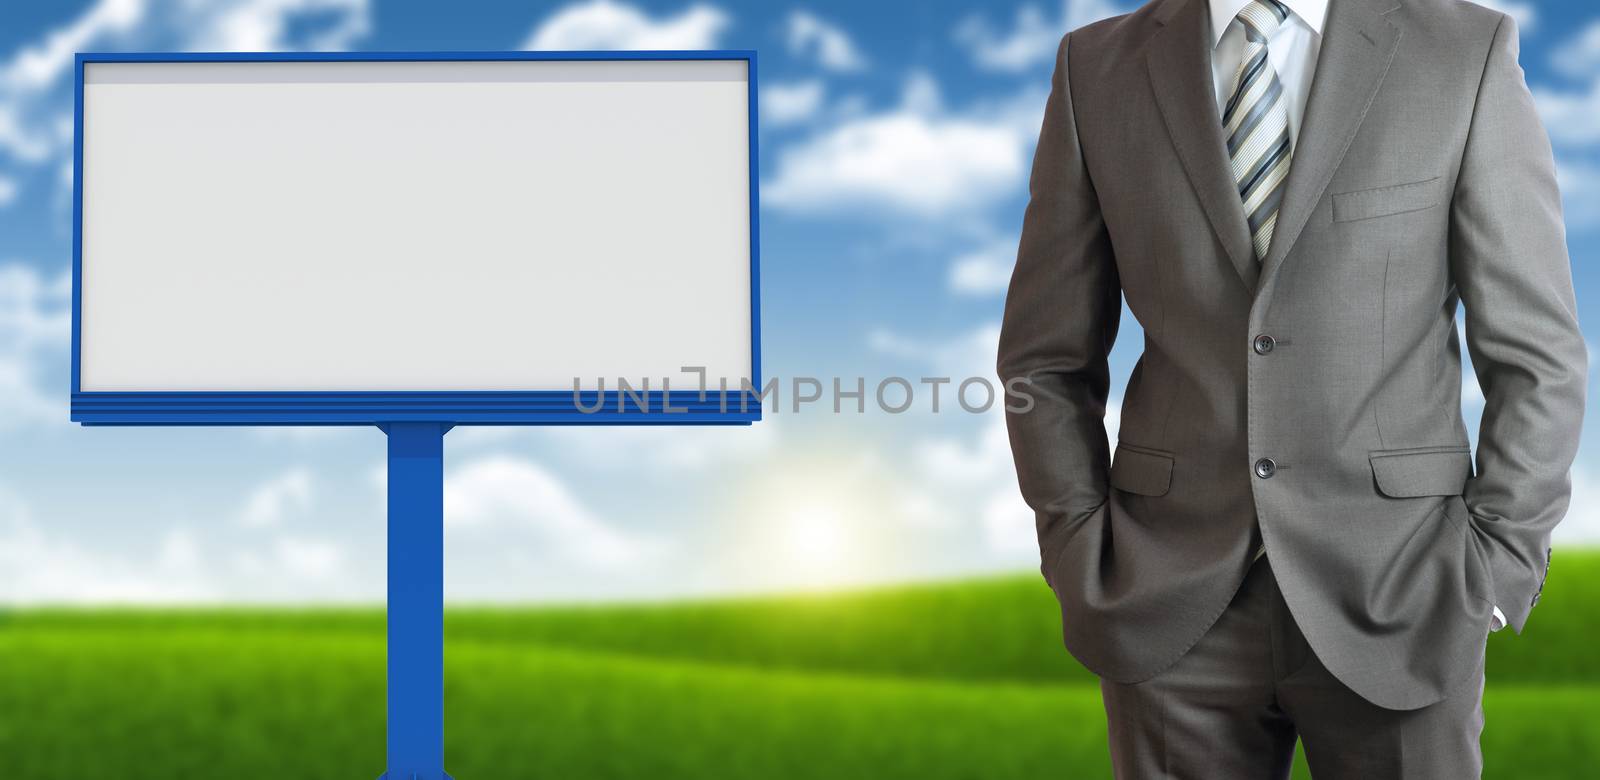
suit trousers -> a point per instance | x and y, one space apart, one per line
1234 704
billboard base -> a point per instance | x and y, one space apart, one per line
416 600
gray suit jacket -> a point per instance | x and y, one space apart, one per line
1421 179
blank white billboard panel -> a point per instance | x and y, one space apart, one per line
380 226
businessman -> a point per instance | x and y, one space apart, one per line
1289 539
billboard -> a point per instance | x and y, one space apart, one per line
476 238
415 241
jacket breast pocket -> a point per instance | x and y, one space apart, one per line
1383 201
1430 471
1141 470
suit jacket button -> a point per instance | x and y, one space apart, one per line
1265 468
1264 344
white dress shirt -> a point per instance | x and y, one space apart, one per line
1293 51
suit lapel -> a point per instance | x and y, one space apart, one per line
1178 59
1358 44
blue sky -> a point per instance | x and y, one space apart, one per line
896 140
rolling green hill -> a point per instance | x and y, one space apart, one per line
949 680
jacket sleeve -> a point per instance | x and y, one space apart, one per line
1508 256
1061 316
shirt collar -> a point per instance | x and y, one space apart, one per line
1312 12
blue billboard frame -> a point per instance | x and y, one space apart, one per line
734 406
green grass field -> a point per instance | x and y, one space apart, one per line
957 680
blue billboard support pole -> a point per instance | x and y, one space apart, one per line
416 600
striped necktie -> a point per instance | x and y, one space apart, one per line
1257 124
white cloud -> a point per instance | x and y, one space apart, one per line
1033 38
35 83
971 476
674 450
1580 56
36 567
917 159
278 500
179 551
1571 117
301 557
264 25
979 477
1582 523
783 104
1580 191
1032 41
921 95
510 494
972 354
987 460
321 435
43 63
38 70
811 36
984 271
17 139
1525 14
605 24
8 192
35 334
954 461
1008 523
298 568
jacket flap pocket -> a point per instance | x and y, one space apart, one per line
1142 471
1381 201
1429 472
